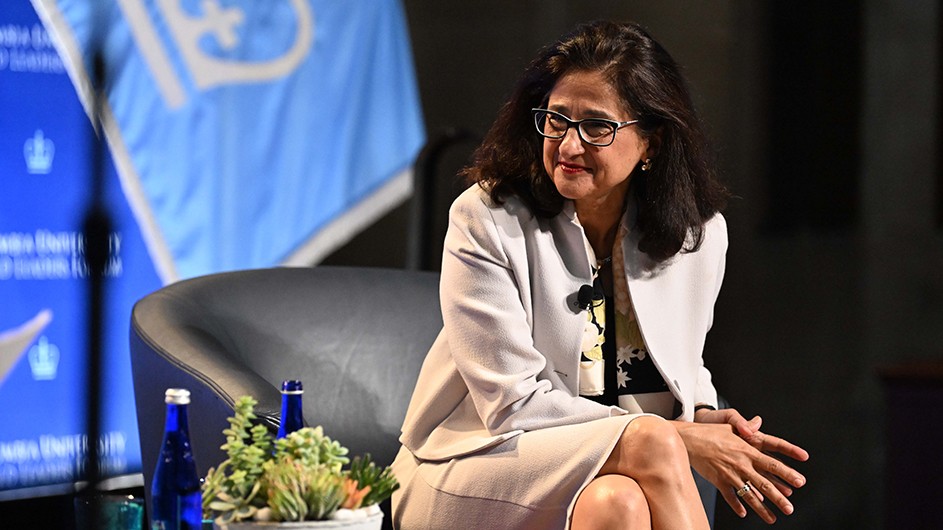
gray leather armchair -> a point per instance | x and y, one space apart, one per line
356 338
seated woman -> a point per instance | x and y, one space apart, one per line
567 388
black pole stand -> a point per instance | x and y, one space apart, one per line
97 227
418 251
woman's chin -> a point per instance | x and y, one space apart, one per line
573 188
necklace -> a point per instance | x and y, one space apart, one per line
600 263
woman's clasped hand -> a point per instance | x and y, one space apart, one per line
741 461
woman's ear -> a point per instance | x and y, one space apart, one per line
654 144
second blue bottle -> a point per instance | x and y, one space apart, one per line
292 414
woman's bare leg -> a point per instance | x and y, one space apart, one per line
652 454
611 502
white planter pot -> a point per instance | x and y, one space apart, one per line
370 522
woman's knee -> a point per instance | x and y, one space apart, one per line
657 437
649 444
611 501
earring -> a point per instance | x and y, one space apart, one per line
647 164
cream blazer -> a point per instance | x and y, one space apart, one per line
507 359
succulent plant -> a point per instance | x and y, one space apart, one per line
296 478
231 489
377 483
309 446
297 492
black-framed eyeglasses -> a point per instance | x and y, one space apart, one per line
594 131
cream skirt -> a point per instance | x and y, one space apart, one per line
528 482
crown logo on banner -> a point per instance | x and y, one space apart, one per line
44 360
219 23
39 152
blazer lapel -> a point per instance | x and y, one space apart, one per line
562 345
649 282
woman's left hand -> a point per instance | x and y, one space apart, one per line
730 452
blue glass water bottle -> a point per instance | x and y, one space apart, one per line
292 415
176 500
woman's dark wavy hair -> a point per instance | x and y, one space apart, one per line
675 197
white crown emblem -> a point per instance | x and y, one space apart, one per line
39 152
44 360
217 22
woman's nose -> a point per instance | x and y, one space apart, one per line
571 141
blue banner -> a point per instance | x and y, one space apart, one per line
251 132
241 134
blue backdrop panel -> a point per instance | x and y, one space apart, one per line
44 175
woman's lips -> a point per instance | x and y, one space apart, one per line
572 168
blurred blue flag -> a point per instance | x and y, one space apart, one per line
249 133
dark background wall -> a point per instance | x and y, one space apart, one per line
826 121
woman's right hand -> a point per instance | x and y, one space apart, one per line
721 453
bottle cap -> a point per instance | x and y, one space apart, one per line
177 396
292 387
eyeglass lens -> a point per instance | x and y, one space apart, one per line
554 125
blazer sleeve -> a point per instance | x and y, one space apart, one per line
485 284
716 240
